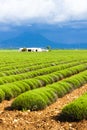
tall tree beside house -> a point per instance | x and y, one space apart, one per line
48 48
24 49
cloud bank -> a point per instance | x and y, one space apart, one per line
42 11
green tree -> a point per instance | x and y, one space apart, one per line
24 49
49 48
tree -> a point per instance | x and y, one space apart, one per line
49 48
24 49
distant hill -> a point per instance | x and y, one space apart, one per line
43 36
27 39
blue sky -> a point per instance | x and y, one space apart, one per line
54 19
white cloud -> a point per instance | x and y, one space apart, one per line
46 11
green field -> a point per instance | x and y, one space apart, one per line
37 79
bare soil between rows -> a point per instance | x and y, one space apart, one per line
46 119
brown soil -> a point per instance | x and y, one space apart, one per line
41 120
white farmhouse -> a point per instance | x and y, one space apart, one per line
33 50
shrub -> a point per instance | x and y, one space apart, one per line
33 83
36 99
45 95
77 110
74 82
22 85
30 101
15 90
24 50
60 90
1 81
8 92
50 93
2 95
66 86
55 78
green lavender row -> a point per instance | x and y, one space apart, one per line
14 65
26 64
42 97
77 110
11 67
29 68
14 89
27 75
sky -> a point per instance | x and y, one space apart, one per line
46 13
42 11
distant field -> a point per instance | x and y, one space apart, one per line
37 79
